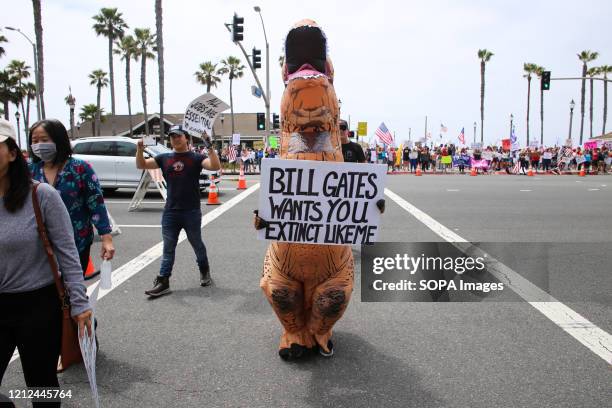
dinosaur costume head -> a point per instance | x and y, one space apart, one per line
309 107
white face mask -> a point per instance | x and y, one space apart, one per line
45 151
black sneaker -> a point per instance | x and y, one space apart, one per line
205 276
330 346
161 286
295 352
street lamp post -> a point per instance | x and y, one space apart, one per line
572 105
267 99
474 132
511 122
36 75
18 116
71 104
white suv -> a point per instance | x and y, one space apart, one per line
114 161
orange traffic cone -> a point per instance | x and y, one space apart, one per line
473 171
418 170
241 179
90 272
582 172
213 198
530 171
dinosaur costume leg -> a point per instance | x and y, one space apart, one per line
286 296
329 301
307 298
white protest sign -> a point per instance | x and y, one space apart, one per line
320 202
236 139
149 140
487 155
201 113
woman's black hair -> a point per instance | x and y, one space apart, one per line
58 133
20 182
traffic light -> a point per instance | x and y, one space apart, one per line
237 28
256 58
545 80
261 121
275 121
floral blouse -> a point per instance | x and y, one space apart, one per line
80 190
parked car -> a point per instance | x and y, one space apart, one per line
114 161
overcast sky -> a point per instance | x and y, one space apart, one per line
395 61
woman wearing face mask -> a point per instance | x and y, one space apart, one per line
52 163
30 313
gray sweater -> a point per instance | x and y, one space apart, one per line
23 261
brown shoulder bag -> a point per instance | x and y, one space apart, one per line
70 352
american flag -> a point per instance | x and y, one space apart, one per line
231 154
384 135
462 136
443 128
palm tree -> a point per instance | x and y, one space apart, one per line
591 72
8 94
605 70
20 71
2 40
90 112
126 47
99 79
485 56
539 71
145 42
110 24
70 100
38 30
529 70
207 75
234 69
160 65
586 57
29 92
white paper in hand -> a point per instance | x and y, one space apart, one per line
105 275
88 350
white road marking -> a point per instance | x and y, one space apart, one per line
149 256
524 190
139 226
603 185
452 189
578 181
593 189
587 333
129 201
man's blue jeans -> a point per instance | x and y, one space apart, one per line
172 223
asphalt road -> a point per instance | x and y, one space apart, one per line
217 346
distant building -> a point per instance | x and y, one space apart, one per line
244 123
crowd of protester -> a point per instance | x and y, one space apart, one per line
447 158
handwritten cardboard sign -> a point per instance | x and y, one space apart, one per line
201 114
319 202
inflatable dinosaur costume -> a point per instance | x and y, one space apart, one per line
309 286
